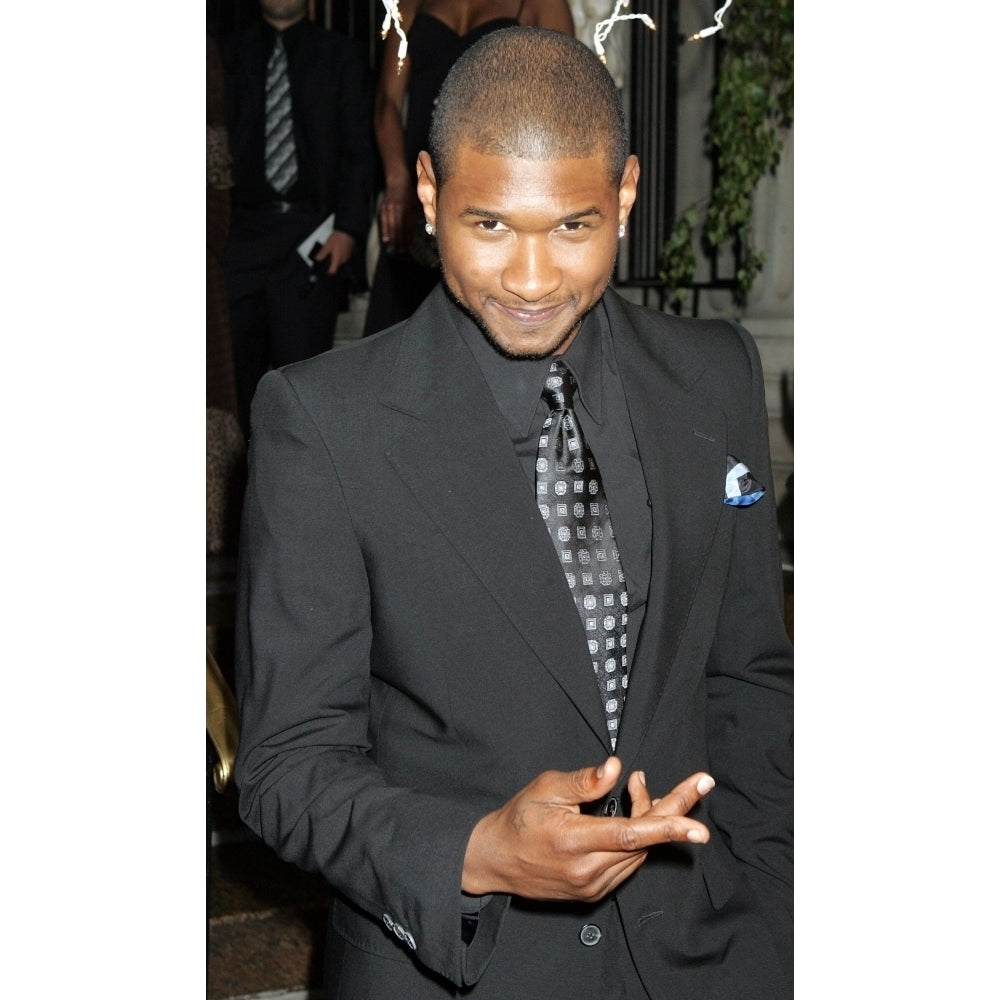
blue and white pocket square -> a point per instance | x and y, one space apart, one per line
741 488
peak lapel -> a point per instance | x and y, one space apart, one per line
681 441
454 453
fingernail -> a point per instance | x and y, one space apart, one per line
642 777
697 837
705 784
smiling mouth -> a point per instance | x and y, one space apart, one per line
529 317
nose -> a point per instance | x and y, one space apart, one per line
530 273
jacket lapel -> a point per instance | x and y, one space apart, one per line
245 92
681 438
454 453
313 118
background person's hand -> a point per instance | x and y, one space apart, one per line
338 249
397 216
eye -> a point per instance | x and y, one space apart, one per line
492 225
576 227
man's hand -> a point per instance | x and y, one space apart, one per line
540 846
338 248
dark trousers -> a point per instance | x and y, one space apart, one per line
276 314
399 285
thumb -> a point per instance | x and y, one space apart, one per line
590 783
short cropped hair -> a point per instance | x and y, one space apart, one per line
529 93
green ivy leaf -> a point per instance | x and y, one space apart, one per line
752 106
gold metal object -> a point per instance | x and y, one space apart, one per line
221 723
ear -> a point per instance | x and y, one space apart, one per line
427 186
628 189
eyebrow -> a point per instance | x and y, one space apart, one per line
485 213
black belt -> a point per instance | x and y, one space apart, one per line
279 207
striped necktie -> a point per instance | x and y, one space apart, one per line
280 165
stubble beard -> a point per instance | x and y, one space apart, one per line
505 352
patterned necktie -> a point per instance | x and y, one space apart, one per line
571 499
280 165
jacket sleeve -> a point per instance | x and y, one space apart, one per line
749 679
356 167
307 784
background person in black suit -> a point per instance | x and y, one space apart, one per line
280 310
421 720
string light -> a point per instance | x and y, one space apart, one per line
718 26
603 28
392 19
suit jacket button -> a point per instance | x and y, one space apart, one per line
590 934
611 807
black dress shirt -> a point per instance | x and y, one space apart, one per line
602 413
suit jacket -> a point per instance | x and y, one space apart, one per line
409 656
331 99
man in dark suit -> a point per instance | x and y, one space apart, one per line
429 718
282 308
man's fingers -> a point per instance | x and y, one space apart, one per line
652 821
589 783
638 793
571 788
540 845
682 799
607 842
641 833
660 820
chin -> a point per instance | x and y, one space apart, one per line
515 353
512 351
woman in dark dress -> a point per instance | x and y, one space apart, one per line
438 32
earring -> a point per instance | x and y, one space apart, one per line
621 231
429 229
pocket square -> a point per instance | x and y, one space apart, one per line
741 488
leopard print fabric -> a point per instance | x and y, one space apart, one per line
220 163
225 479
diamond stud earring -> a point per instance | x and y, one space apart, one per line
429 229
621 231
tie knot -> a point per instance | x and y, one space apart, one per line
277 52
559 387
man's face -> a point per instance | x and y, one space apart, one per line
527 246
284 10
